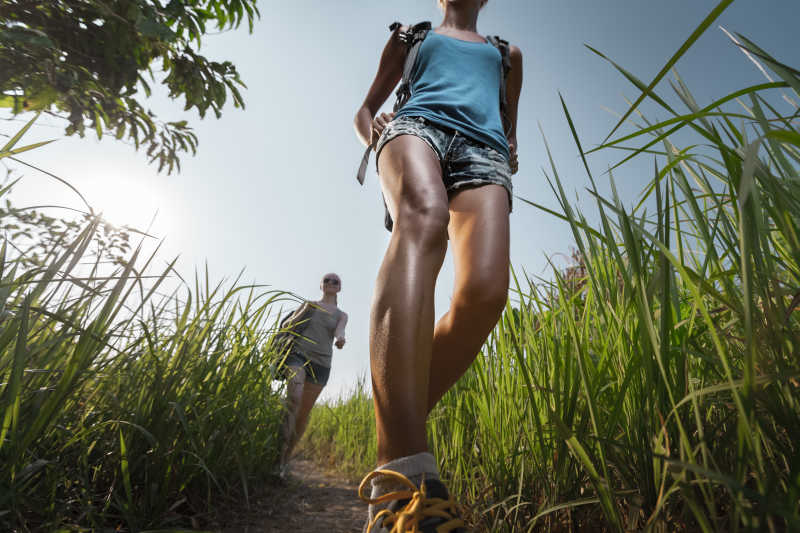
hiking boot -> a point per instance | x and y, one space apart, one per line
427 509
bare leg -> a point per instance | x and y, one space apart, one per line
401 324
479 234
295 384
310 394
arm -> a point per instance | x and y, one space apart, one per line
339 334
390 70
513 89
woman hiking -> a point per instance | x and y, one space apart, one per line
445 161
309 361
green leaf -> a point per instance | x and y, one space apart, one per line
151 27
700 30
24 148
26 36
15 139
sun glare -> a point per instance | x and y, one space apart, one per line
134 201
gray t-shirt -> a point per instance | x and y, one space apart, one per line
317 345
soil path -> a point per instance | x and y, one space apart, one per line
311 501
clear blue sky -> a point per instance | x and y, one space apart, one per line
272 188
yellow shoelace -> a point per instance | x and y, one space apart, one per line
419 507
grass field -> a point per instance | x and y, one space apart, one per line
121 406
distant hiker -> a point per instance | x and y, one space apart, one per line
309 362
445 159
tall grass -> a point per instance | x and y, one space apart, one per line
124 408
349 421
656 385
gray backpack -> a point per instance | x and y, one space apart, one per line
285 338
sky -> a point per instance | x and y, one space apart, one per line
272 189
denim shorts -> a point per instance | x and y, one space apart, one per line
465 162
315 372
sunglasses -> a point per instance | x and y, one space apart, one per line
332 281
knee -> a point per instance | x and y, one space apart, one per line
485 297
296 377
424 221
294 386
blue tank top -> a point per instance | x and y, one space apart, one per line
456 84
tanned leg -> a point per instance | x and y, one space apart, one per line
402 318
479 235
310 394
295 383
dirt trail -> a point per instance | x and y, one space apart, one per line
311 501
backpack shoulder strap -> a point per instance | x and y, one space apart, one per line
285 319
504 49
412 38
505 53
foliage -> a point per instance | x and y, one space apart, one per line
348 421
121 408
87 59
37 237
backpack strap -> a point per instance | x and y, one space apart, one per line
362 168
412 38
505 54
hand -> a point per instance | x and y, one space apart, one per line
513 162
339 343
378 124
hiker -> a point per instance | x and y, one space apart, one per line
309 361
445 160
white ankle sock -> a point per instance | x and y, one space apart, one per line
415 467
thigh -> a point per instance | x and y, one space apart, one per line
479 236
311 392
295 383
411 175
